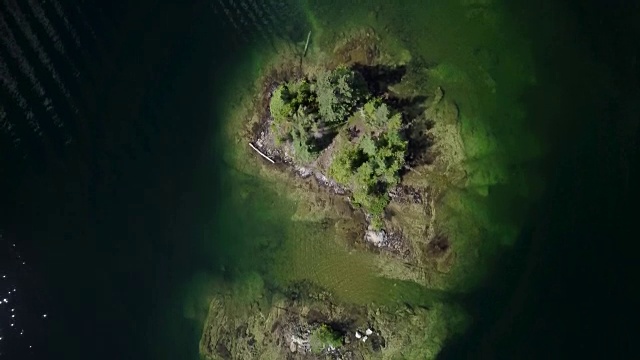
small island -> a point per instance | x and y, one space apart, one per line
340 125
369 146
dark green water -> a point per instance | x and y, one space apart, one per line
130 228
115 225
566 288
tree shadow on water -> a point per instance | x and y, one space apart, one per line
380 77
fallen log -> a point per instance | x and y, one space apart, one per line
306 45
261 153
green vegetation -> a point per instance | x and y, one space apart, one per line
339 92
294 111
324 337
371 162
309 114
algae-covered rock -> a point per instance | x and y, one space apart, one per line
305 322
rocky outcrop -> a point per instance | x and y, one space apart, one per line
281 328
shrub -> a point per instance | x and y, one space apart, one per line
303 148
345 161
324 337
376 222
281 107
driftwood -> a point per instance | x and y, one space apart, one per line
306 45
261 153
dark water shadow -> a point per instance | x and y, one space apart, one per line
114 228
380 77
564 290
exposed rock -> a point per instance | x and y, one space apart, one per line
406 194
304 172
377 238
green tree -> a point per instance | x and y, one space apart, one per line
339 92
376 113
294 110
371 166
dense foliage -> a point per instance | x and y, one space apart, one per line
376 113
324 337
309 114
339 92
370 164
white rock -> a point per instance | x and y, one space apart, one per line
296 340
304 172
375 237
358 335
364 338
369 332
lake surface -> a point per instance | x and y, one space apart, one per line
129 214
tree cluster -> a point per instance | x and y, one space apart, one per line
339 92
310 113
371 163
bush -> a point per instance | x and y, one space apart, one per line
304 149
345 161
376 222
324 337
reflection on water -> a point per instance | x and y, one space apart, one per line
24 311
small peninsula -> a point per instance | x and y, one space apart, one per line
367 146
